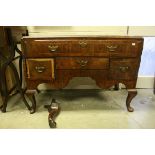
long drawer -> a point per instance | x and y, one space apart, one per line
82 63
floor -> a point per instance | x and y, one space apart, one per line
84 109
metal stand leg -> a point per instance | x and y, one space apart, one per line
5 94
31 96
19 86
18 82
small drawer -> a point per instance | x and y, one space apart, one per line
123 48
82 63
82 47
40 69
124 68
38 48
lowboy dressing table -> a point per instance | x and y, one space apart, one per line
106 59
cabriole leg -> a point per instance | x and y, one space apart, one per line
131 95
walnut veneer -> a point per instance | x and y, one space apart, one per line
107 60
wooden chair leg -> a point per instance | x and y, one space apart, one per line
54 110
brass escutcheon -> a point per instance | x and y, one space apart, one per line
40 69
112 48
123 68
82 63
82 43
53 48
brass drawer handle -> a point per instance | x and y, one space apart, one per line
123 68
82 63
53 48
40 69
82 43
112 48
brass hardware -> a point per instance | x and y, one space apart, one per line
123 68
40 69
82 43
112 48
133 44
82 63
53 48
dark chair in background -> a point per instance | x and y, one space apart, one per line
9 46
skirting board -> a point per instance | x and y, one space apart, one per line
145 82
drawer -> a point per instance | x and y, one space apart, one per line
123 48
126 69
82 63
41 69
38 48
82 47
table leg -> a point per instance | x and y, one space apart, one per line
131 95
116 86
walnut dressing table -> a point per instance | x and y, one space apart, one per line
106 59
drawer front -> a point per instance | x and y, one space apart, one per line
42 69
45 48
87 47
123 48
126 69
82 63
81 47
